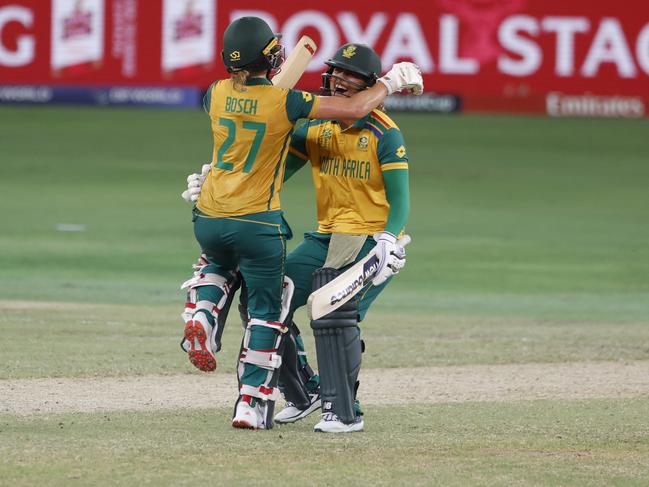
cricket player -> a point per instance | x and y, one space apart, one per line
237 218
360 171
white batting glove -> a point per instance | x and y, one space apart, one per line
194 184
404 76
391 254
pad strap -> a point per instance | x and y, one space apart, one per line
275 325
266 359
261 392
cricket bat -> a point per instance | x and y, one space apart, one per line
296 63
335 293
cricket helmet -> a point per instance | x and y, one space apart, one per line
359 59
249 43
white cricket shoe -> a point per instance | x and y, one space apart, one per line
331 424
247 416
291 414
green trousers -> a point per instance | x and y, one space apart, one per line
256 244
300 265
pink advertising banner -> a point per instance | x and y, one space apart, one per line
544 56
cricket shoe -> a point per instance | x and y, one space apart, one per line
247 414
331 424
291 413
199 343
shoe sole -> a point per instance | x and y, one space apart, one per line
244 425
352 428
302 415
200 357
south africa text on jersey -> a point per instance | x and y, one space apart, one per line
241 105
346 168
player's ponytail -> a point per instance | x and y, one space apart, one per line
239 79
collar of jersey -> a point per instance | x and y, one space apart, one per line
358 124
258 81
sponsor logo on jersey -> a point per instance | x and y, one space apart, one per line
235 56
401 151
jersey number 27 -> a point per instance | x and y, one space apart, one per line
258 127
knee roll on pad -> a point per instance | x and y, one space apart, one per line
339 349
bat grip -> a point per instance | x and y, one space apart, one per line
405 240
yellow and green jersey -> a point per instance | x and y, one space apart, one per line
251 131
350 169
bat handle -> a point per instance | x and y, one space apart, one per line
405 240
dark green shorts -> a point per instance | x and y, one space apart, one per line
256 244
311 255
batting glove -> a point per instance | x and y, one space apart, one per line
391 254
194 184
404 76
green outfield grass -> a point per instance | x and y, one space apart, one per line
536 443
110 340
532 216
529 246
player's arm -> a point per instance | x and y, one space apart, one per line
298 154
207 98
397 192
402 76
394 166
195 181
293 165
393 158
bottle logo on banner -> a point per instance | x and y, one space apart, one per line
188 36
77 36
190 24
79 23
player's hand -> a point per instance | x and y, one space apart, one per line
391 254
194 184
404 76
